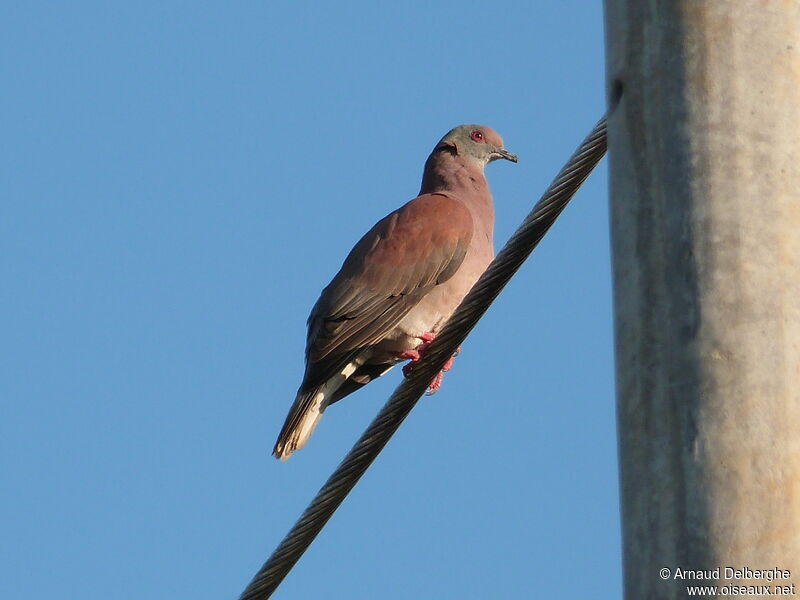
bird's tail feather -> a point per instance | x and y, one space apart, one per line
306 412
300 424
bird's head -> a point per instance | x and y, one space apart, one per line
475 142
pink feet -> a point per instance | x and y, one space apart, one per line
416 354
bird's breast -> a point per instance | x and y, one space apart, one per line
431 313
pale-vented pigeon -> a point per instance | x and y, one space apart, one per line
401 281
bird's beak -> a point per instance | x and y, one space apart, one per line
503 153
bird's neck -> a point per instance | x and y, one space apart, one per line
445 172
462 179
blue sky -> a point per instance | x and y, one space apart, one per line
180 180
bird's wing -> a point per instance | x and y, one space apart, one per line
386 274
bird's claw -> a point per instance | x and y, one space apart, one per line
435 384
416 354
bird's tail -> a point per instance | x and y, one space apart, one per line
306 412
300 423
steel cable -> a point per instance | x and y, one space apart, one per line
405 397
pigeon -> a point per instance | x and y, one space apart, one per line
401 281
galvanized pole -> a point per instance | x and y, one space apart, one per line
704 149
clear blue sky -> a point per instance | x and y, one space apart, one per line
180 180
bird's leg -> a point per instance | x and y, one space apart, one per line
416 354
412 355
427 337
437 381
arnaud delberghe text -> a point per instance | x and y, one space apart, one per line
742 573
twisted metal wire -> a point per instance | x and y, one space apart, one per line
405 397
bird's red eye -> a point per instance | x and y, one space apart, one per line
477 135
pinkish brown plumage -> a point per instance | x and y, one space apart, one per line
401 281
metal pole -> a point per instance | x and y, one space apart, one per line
704 151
